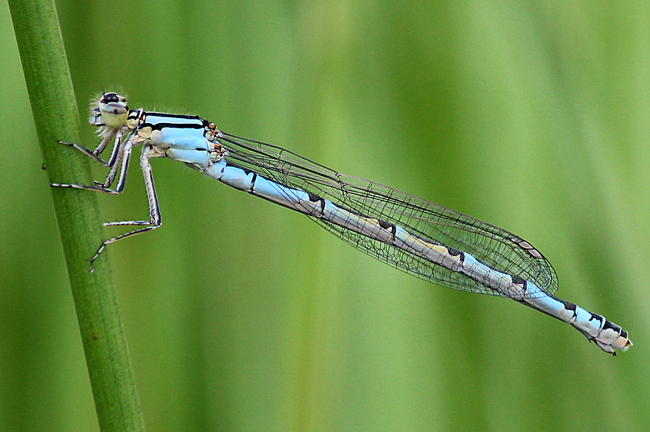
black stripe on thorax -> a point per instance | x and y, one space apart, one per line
162 125
184 116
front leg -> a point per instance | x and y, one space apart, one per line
108 135
122 165
91 154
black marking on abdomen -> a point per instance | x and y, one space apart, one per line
316 198
569 306
253 179
518 280
456 252
611 326
388 226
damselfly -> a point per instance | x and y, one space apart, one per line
419 237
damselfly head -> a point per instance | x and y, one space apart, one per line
109 110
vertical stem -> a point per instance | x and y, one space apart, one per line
55 114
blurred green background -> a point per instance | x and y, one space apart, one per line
244 316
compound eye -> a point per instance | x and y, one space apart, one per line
110 97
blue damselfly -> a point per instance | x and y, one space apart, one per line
419 237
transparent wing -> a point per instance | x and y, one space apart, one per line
491 245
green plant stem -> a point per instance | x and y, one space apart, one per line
55 114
